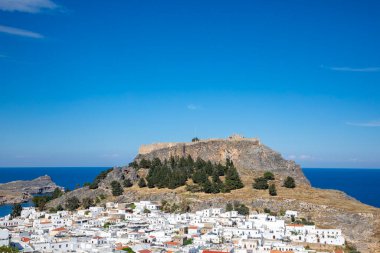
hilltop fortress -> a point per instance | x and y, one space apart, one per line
248 154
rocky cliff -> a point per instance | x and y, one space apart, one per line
248 155
19 191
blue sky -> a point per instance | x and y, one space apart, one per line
85 84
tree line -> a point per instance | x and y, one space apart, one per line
176 171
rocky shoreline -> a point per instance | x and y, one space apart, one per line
23 190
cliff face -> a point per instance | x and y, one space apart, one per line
248 155
19 191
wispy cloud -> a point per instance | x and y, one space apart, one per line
300 157
351 69
374 123
20 32
30 6
193 107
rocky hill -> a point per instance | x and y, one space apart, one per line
249 155
20 191
360 223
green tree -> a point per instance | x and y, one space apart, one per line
59 208
242 209
142 183
207 186
56 193
233 180
289 182
272 190
102 175
40 202
260 183
195 139
87 203
8 249
229 207
268 175
72 203
134 165
127 183
145 163
16 210
116 188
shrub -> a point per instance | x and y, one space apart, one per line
142 183
272 190
260 184
229 207
8 249
72 203
193 188
289 182
87 203
195 139
127 183
16 210
145 163
242 209
102 175
268 175
134 165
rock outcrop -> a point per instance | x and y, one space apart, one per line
248 155
20 191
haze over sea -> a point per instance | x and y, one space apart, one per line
361 184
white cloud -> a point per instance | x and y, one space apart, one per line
30 6
300 157
351 69
193 107
20 32
375 123
305 157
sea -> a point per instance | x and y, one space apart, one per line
362 184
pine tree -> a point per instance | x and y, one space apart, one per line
207 186
116 188
233 180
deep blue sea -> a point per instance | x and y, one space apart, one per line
361 184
